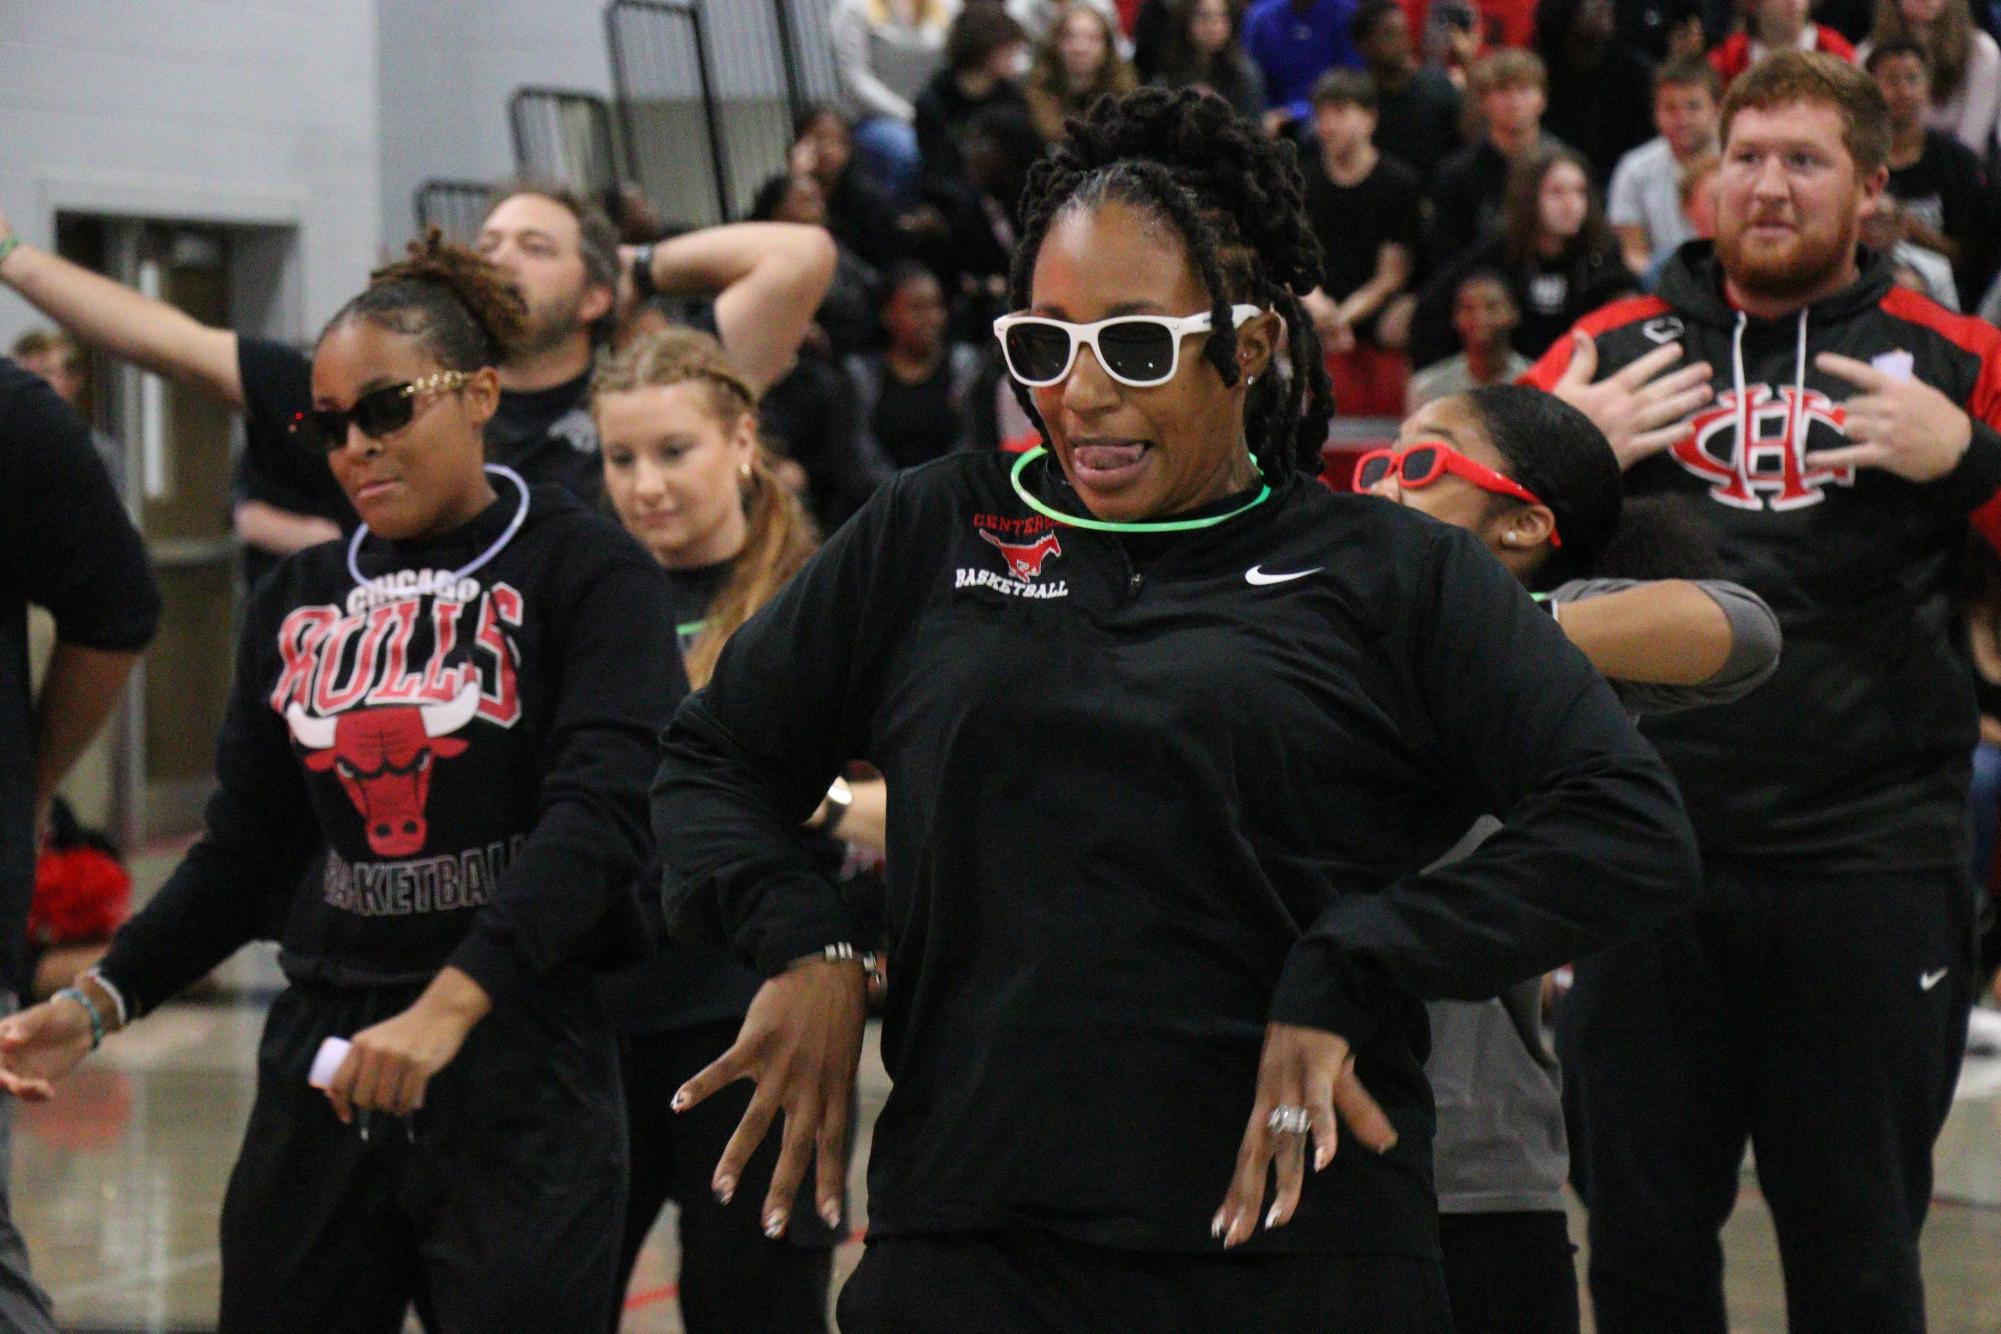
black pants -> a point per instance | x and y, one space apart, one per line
496 1207
733 1278
1510 1273
1019 1283
1822 1018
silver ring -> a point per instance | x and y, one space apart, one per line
1286 1119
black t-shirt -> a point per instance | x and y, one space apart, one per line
66 545
547 435
1419 125
916 423
1948 189
276 467
1354 222
1604 111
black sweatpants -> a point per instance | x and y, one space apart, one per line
1510 1273
733 1278
1019 1283
1821 1017
495 1207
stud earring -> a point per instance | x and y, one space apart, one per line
743 471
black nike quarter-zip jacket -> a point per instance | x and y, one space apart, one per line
1146 796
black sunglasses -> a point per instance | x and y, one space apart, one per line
377 413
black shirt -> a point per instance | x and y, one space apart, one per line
1948 189
1354 222
915 423
1419 124
67 546
1136 814
1550 294
943 112
1604 111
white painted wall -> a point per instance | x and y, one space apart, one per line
236 111
447 68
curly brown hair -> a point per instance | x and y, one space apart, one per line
461 306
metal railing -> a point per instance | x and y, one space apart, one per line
457 208
666 108
564 137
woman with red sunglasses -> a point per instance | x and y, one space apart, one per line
1540 486
431 788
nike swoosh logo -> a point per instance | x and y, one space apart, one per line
1926 981
1258 578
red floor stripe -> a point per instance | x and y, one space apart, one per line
653 1296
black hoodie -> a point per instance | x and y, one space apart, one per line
1854 756
1146 796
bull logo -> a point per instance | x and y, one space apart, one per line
1753 451
1025 562
383 757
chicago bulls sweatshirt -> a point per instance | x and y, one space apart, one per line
1854 757
467 758
1147 794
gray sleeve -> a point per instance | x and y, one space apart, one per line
1754 647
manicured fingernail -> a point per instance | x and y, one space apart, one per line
680 1101
1321 1157
1271 1218
1388 1144
725 1187
774 1224
1216 1224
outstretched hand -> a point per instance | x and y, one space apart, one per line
1641 408
1301 1068
40 1045
1897 423
800 1044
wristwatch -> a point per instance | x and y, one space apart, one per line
642 273
839 797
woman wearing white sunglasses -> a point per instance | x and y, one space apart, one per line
1170 733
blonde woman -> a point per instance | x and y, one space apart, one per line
685 472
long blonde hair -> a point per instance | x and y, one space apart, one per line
780 534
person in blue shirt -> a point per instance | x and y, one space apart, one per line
1294 42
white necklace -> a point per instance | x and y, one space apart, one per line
513 527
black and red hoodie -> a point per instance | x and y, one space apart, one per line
468 757
1854 756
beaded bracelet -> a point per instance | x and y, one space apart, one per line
89 1008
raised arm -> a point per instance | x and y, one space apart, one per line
135 328
1672 643
769 278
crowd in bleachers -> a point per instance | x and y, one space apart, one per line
1530 160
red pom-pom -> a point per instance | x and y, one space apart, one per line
80 895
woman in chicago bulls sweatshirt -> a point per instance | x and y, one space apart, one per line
454 712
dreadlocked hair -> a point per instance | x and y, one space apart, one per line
779 535
1238 201
460 305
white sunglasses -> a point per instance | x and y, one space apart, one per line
1136 350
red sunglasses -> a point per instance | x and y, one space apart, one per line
1421 465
